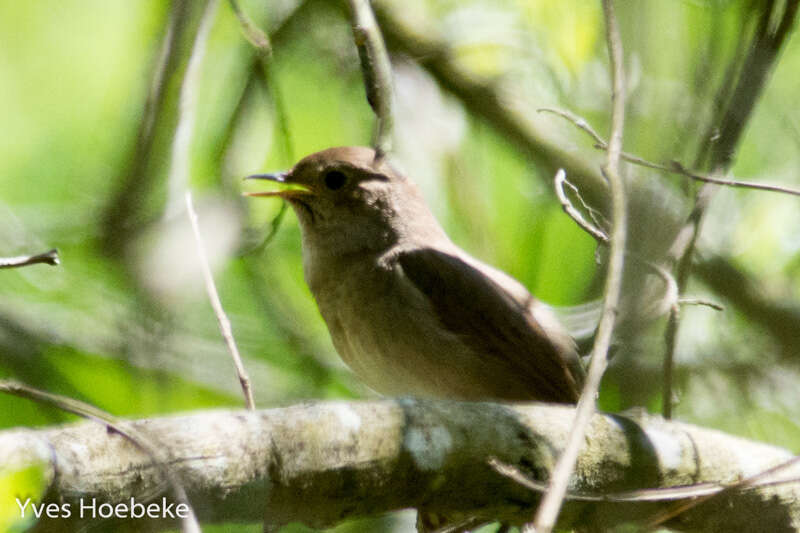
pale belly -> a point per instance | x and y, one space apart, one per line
387 333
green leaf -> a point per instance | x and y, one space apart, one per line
18 486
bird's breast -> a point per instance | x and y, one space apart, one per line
385 330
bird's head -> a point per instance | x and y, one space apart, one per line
347 200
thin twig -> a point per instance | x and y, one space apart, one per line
216 304
658 494
252 33
548 510
693 225
579 122
377 71
49 257
574 214
674 167
762 56
678 168
668 364
671 294
178 179
700 301
639 495
189 524
752 481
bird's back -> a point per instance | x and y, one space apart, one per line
441 324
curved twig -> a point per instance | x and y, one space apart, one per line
219 312
49 257
559 182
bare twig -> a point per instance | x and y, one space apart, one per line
559 182
377 71
179 177
640 495
548 510
703 491
216 304
693 224
49 257
668 364
677 168
189 523
579 122
674 167
763 53
252 33
671 294
752 481
700 301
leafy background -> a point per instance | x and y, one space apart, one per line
124 322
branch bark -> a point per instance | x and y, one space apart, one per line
321 463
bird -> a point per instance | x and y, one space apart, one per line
408 310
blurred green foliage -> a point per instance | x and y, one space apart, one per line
134 334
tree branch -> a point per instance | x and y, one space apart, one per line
377 70
322 463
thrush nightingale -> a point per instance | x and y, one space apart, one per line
407 310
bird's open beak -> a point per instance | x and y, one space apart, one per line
288 189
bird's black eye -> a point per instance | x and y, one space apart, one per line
335 180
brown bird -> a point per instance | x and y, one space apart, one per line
409 311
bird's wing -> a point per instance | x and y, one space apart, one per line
490 321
